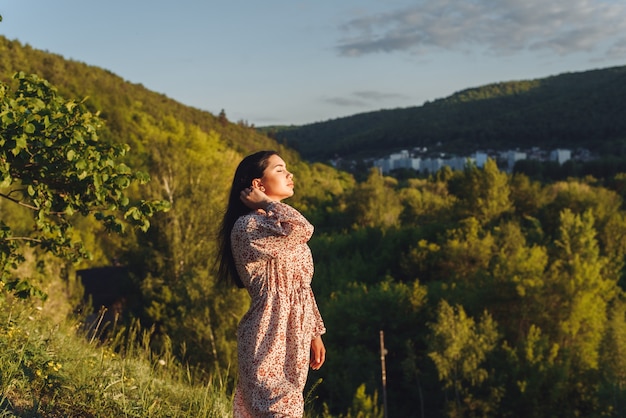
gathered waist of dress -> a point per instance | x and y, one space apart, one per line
290 291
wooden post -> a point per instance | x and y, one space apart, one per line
383 352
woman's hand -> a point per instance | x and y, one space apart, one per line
318 353
254 198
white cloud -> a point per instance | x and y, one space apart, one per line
378 96
497 26
364 98
345 102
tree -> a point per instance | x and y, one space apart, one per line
613 352
53 164
375 203
527 195
426 202
467 251
177 282
483 193
517 281
364 405
579 290
357 315
222 118
459 348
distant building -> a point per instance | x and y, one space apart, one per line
560 155
405 160
398 160
480 158
384 164
432 165
457 163
513 157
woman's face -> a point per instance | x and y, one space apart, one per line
277 182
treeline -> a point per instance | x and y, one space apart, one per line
498 295
572 110
604 169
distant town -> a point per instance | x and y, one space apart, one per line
420 160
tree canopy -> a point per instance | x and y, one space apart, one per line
498 295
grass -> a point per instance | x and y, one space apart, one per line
52 368
52 365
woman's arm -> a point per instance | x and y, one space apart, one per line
281 222
254 198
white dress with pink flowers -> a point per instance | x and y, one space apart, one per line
274 337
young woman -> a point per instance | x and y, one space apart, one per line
263 247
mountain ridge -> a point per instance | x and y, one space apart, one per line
573 109
569 110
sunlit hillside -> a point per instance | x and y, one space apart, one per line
482 293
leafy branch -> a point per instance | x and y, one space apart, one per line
53 163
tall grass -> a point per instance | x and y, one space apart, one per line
58 369
55 365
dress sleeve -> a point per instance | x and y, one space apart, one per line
319 328
282 226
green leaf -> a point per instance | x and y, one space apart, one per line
7 118
122 182
123 169
20 144
29 128
6 181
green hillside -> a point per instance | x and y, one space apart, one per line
496 295
122 104
586 109
169 287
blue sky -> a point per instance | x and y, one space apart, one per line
302 61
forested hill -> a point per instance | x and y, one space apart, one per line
585 109
493 294
124 106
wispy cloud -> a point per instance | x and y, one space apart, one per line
498 26
345 101
372 95
365 98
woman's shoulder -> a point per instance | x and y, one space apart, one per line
283 208
249 221
244 220
276 212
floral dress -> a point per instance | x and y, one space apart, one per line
274 336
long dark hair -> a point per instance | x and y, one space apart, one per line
250 168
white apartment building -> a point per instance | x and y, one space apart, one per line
403 159
560 155
512 157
